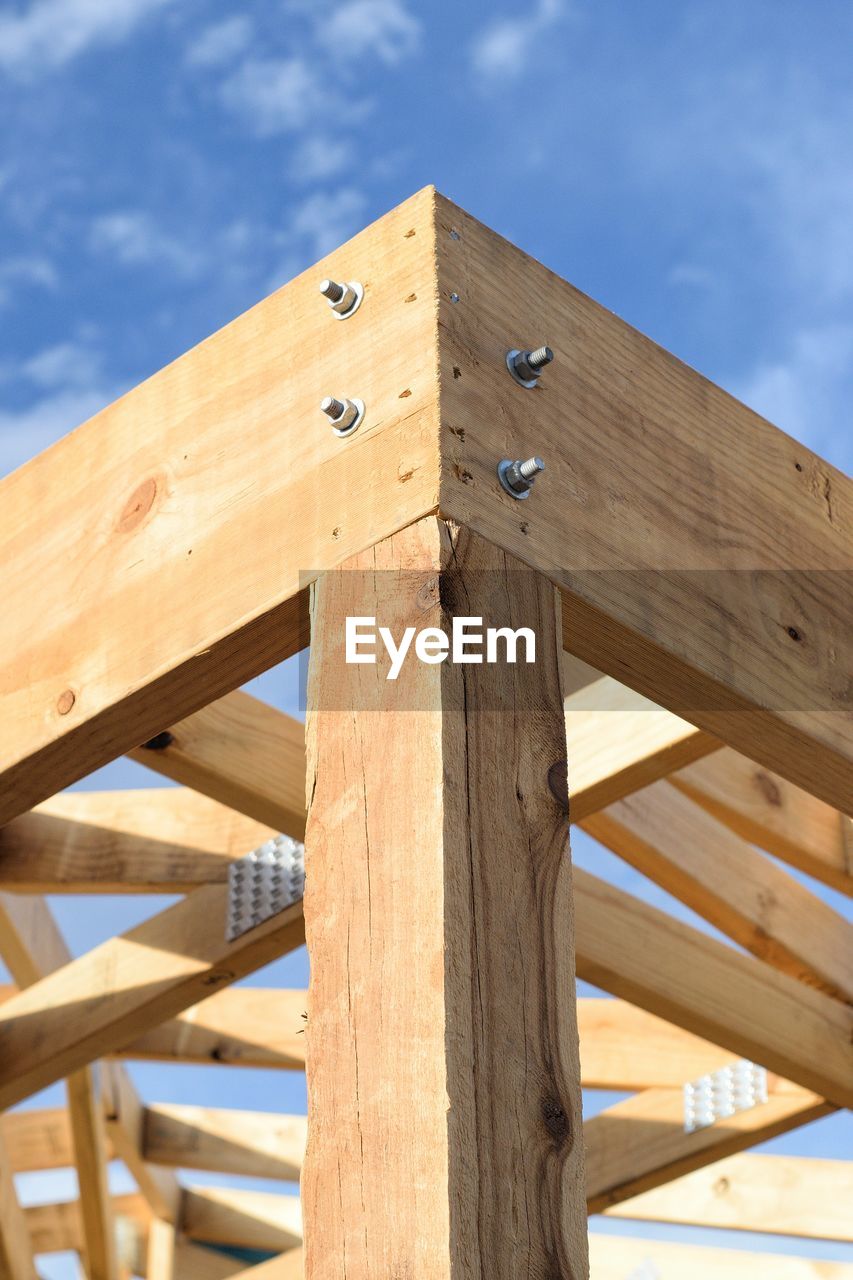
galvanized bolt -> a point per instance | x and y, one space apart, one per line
518 477
526 366
345 415
344 299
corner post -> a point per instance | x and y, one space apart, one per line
444 1103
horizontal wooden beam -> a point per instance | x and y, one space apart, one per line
641 1142
765 809
174 558
38 1138
287 1266
680 526
152 840
241 752
781 1195
253 1144
624 1048
129 984
645 956
738 889
618 742
251 1219
620 1258
58 1228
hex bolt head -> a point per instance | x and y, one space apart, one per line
344 299
526 366
517 477
346 416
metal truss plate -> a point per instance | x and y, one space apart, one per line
723 1093
263 883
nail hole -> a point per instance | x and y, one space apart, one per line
798 466
404 395
413 297
457 372
794 634
409 234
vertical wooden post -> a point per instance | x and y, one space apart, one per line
445 1132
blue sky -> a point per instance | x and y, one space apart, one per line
164 164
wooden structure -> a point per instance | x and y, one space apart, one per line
686 569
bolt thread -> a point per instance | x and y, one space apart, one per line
332 290
530 469
540 357
332 408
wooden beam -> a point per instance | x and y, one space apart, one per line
57 1228
37 1139
643 955
774 814
167 840
287 1266
241 752
125 1123
782 1195
681 527
618 742
620 1258
641 1142
626 1049
160 1256
196 1262
739 890
237 1027
16 1252
32 946
186 542
442 1046
128 984
251 1219
253 1144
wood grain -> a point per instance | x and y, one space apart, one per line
782 1195
243 753
739 890
705 557
618 1258
253 1144
774 814
16 1251
176 531
151 840
442 1046
645 956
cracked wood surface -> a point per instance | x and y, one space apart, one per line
444 1089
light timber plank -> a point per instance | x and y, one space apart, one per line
782 1195
240 1027
739 890
16 1252
250 1143
128 984
645 956
152 840
625 1048
774 814
241 752
442 1046
252 1219
37 1139
125 1124
160 1258
640 1143
57 1228
705 556
173 556
195 1262
287 1266
32 946
620 1258
618 741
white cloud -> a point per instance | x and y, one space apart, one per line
274 95
27 270
325 221
51 33
693 276
506 49
66 365
221 43
134 239
319 156
25 432
384 28
808 391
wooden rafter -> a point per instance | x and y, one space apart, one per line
16 1251
738 889
615 1258
781 1195
252 1143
